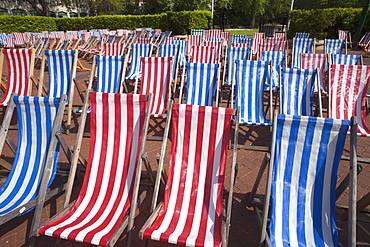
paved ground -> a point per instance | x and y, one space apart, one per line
244 229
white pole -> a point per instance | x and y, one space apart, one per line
291 8
212 7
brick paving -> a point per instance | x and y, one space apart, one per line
244 229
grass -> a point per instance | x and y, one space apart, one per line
242 31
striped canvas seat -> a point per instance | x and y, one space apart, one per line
217 48
302 35
301 46
201 83
235 53
364 40
156 80
277 59
109 74
250 79
168 40
281 35
297 91
19 63
265 47
347 94
172 50
117 127
202 54
346 35
346 59
319 62
182 53
191 213
258 38
305 157
35 118
113 49
334 46
245 45
193 40
137 52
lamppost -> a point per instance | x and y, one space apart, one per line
291 8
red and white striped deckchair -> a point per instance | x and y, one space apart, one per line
18 39
346 35
193 40
144 40
156 80
225 37
217 46
109 191
280 36
113 49
244 45
277 41
258 38
265 47
319 62
192 210
20 64
213 34
202 54
168 40
347 94
9 42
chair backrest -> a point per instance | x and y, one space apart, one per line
20 69
113 49
62 70
235 53
265 47
202 54
346 59
137 52
182 53
201 83
35 118
217 48
277 59
245 45
301 45
200 137
365 39
316 61
156 80
172 50
347 94
109 73
193 40
250 78
302 35
117 130
281 35
305 157
346 35
334 46
258 38
297 91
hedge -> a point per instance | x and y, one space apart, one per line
325 23
178 22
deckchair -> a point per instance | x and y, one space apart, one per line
156 80
347 94
192 210
193 40
249 82
301 46
364 41
217 49
245 45
20 63
302 35
242 39
346 35
280 35
265 47
334 46
182 52
305 156
62 75
137 52
201 84
346 59
258 38
113 49
234 53
297 91
172 50
278 60
36 155
202 54
319 62
109 193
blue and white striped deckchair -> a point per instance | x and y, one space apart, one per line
297 91
305 157
171 51
2 39
302 35
36 154
346 59
109 73
301 46
334 46
278 59
201 84
183 49
250 78
62 72
237 37
137 52
235 53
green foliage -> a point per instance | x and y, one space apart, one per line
325 23
20 24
